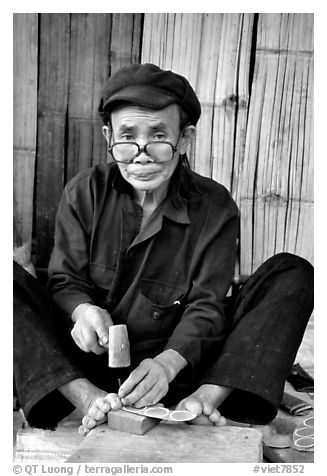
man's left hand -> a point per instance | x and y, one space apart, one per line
146 385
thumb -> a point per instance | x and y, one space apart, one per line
108 317
191 404
101 327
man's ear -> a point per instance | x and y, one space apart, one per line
106 133
186 139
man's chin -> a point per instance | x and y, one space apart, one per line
145 185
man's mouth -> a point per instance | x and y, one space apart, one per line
144 178
144 175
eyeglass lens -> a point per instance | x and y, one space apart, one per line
159 151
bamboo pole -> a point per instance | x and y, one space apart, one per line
225 101
243 96
125 40
52 112
208 66
88 69
25 49
231 98
248 184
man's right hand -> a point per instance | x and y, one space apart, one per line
91 328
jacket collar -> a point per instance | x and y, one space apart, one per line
179 215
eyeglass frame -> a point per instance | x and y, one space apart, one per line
143 149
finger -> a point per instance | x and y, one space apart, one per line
76 337
153 396
98 350
104 337
103 342
134 379
91 341
108 317
101 326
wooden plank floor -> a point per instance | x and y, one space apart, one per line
33 445
171 442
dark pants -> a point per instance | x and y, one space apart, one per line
268 317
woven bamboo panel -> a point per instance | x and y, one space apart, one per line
213 52
25 86
77 53
277 187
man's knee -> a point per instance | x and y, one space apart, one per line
298 269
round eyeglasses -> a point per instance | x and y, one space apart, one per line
126 152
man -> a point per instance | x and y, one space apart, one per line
146 242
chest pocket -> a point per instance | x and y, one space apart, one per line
156 310
101 275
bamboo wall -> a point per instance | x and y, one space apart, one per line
76 53
253 74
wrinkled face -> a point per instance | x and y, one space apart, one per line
137 124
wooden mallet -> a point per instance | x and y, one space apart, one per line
119 351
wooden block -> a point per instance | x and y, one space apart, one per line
131 422
171 443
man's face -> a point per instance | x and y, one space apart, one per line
136 124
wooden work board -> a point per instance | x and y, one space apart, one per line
171 443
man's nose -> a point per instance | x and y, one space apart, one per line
142 157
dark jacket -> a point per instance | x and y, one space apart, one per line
168 282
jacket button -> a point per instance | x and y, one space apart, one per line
156 315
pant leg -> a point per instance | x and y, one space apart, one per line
268 320
45 356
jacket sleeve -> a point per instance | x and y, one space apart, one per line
68 268
203 325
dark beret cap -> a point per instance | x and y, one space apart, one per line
149 86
